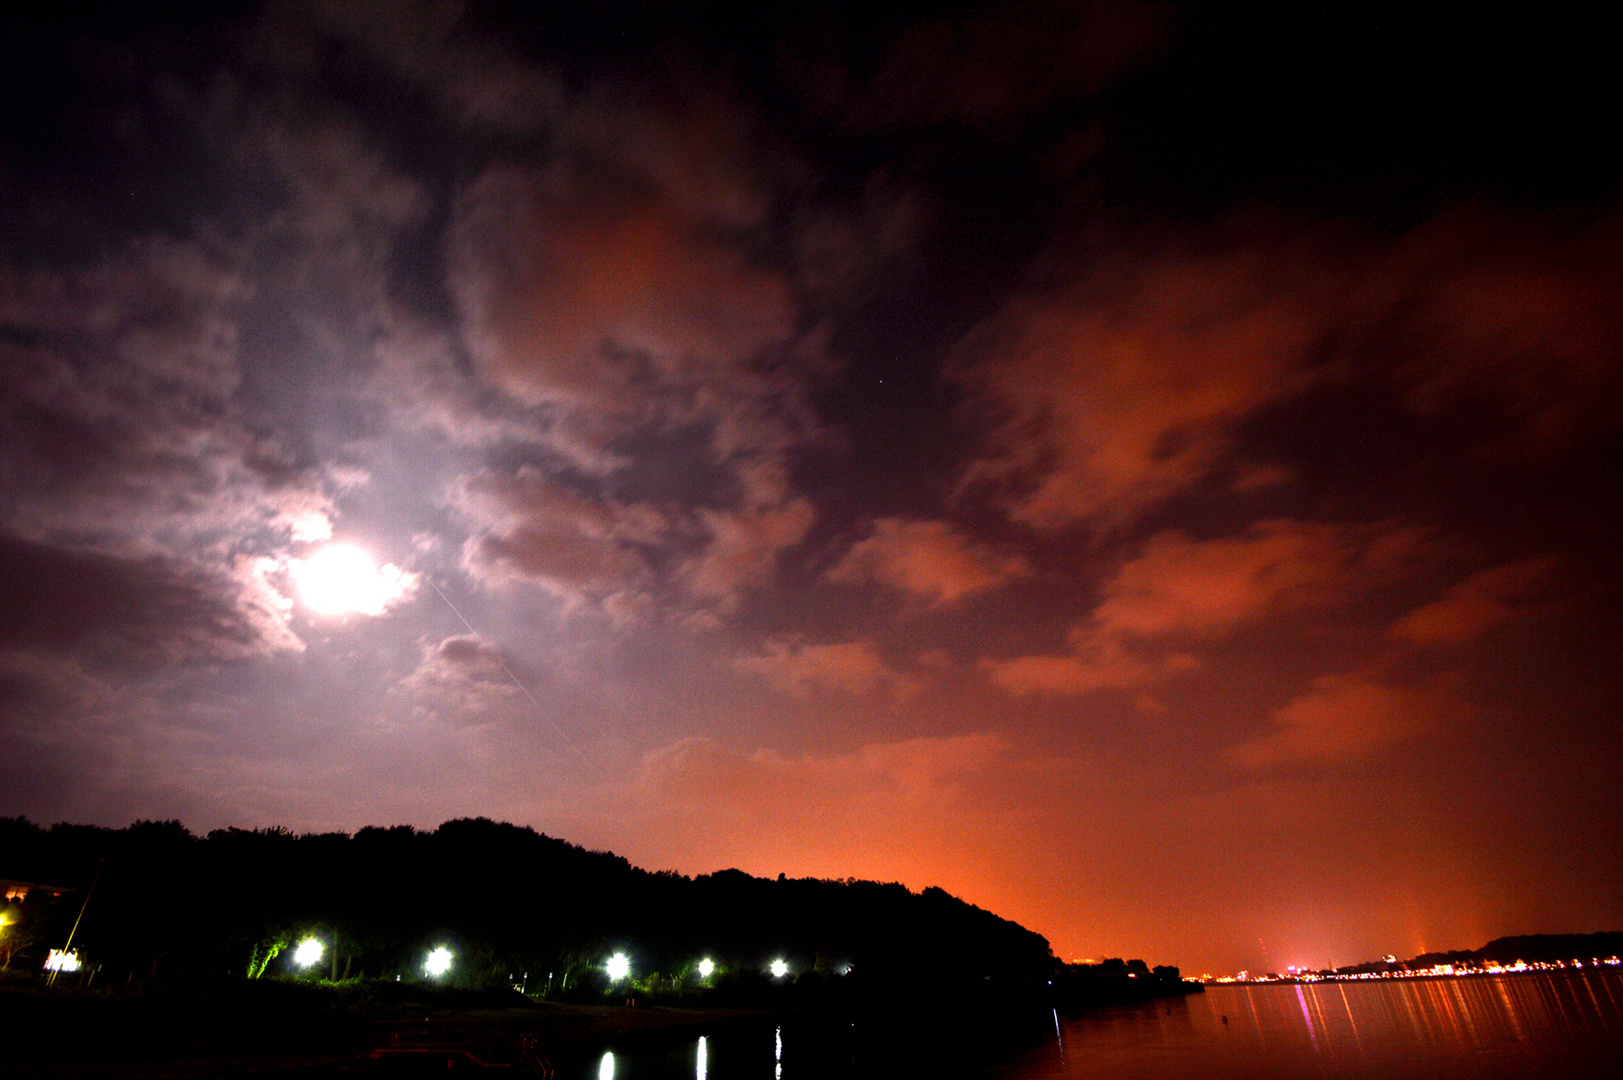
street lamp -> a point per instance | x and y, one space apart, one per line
438 962
618 967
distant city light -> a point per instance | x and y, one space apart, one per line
618 967
58 960
309 952
438 962
779 968
707 968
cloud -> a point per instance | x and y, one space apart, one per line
1134 378
928 560
630 324
154 608
118 416
743 550
459 678
1178 590
1094 663
1179 585
1478 604
39 681
913 773
992 64
536 528
1516 314
851 667
1341 718
580 296
1125 386
475 81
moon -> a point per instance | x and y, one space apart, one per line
342 579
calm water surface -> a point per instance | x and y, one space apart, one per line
1560 1025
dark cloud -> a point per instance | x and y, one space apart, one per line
152 609
992 64
541 530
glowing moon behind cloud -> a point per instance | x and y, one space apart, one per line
341 579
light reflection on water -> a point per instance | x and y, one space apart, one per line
1555 1025
1509 1026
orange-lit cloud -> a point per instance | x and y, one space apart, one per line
853 667
1341 718
1178 591
928 560
1126 386
580 298
1094 662
743 549
1131 382
1474 606
1526 319
1180 585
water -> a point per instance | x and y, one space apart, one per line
1554 1025
1547 1025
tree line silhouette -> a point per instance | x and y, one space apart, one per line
512 905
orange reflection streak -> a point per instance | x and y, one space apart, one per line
1346 1005
1510 1010
1553 992
1460 1012
1416 1027
1590 990
1534 1004
1605 984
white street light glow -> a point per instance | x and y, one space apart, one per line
618 967
779 968
61 960
309 952
707 967
438 962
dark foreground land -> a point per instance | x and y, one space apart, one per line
268 1028
240 1028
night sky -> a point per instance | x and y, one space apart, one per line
1152 471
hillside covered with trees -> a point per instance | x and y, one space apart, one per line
513 907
